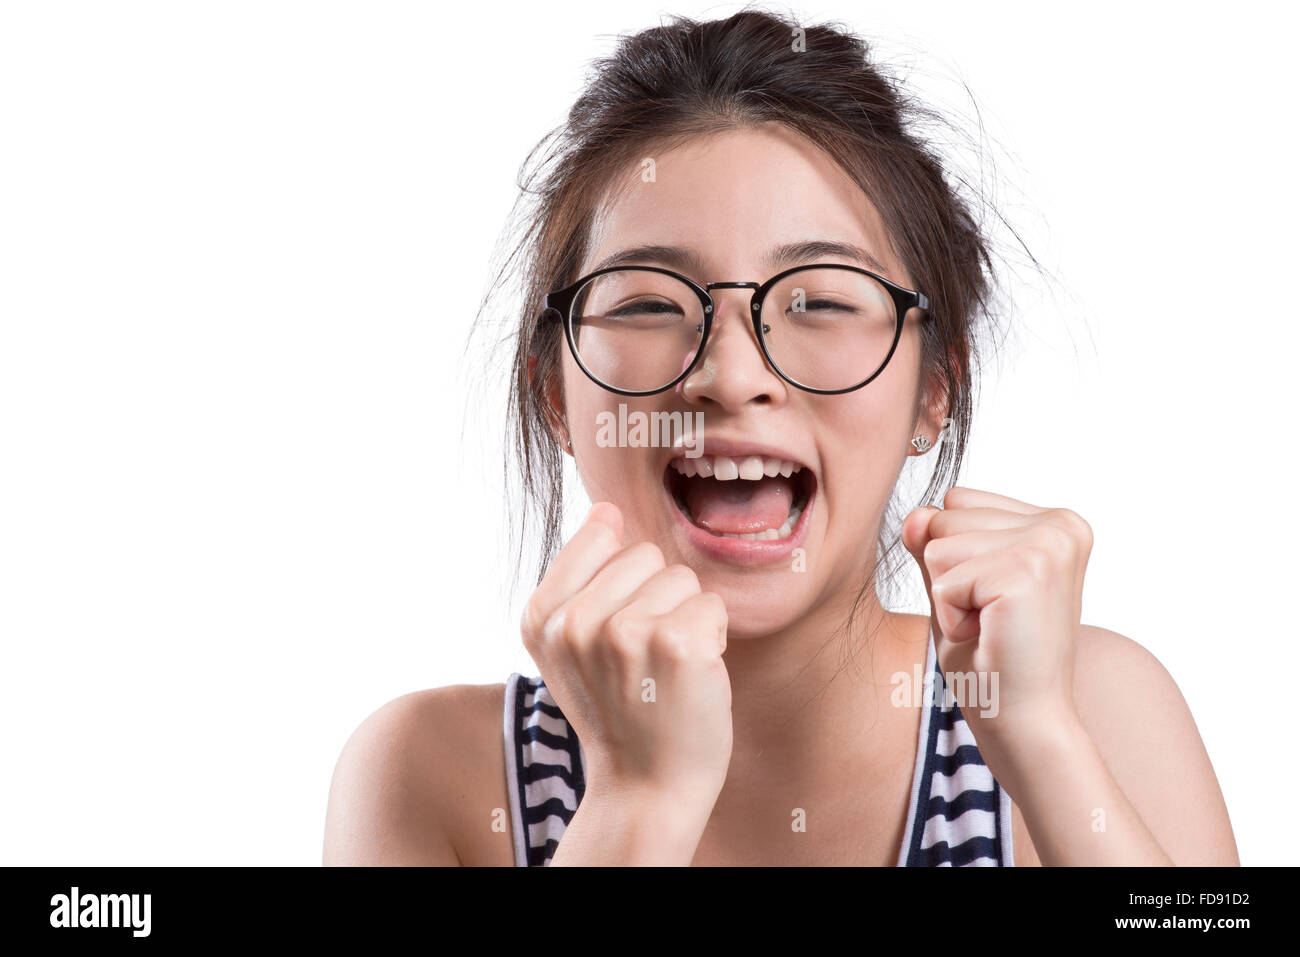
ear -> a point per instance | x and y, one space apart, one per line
553 405
932 410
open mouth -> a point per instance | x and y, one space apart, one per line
754 497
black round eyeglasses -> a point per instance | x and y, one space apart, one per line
825 328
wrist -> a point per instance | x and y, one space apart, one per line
1048 740
633 825
695 793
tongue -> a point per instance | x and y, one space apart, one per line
739 506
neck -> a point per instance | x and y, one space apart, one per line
805 697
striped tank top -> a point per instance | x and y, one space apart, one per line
958 815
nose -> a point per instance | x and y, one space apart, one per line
733 371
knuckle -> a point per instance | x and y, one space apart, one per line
686 574
649 553
530 623
671 641
622 634
953 497
1035 563
1075 524
1056 540
604 536
571 625
713 613
931 551
717 605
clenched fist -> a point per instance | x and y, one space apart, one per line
1005 582
631 650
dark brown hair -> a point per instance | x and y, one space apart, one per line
686 78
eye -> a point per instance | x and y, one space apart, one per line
645 307
824 305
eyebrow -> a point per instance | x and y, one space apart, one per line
686 260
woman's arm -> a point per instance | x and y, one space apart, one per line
1088 733
1127 783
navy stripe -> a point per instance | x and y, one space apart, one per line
540 812
540 735
972 799
575 758
547 709
542 706
964 755
538 856
958 856
947 719
537 772
914 856
997 820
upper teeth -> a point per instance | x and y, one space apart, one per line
724 468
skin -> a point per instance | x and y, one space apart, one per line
764 717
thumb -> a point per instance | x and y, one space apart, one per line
916 534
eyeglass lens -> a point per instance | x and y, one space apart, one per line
826 329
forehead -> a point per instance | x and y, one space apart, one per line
734 195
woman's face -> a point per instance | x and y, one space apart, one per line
730 199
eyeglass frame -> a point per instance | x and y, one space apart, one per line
558 307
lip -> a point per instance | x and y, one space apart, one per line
742 551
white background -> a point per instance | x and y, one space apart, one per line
243 502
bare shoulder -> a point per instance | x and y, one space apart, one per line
421 781
1136 715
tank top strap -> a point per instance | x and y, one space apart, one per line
959 816
545 770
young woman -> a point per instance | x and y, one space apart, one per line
738 226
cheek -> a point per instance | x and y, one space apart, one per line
865 436
876 421
902 376
587 405
864 444
608 473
